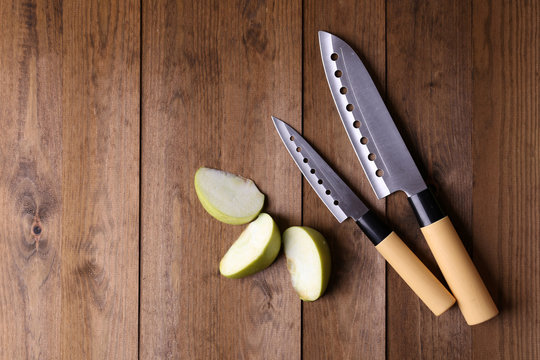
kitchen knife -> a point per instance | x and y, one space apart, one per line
389 167
343 203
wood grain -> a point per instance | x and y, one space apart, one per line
30 180
79 128
506 144
100 143
349 321
69 180
213 74
429 95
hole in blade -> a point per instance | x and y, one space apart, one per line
379 173
371 156
298 149
312 171
336 202
343 90
356 124
350 107
338 73
328 192
334 56
305 160
320 182
363 140
291 138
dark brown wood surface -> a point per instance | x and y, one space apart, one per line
107 109
350 319
210 84
69 164
429 84
506 163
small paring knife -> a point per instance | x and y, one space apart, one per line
343 203
389 167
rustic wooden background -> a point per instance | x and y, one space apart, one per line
107 108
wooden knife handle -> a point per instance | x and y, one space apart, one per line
459 271
457 267
428 288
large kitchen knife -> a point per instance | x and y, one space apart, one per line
390 167
343 203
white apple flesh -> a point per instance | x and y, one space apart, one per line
308 261
229 198
254 250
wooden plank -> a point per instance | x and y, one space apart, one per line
100 162
506 148
69 182
30 179
429 74
213 73
349 321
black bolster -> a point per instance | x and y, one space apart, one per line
426 208
374 228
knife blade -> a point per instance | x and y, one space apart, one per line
343 203
334 193
389 167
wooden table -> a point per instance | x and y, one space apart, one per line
107 108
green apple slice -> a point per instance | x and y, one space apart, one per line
254 250
229 198
308 261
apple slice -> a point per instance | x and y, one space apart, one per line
254 250
229 198
308 261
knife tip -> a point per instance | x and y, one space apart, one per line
276 120
324 34
282 126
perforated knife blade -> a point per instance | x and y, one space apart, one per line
371 130
344 203
389 167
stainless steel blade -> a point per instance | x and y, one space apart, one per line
371 130
336 195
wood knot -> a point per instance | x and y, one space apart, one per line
89 268
264 288
255 38
37 230
95 281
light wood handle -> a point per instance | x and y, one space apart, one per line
459 271
416 274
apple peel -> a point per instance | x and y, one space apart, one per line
254 250
308 261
